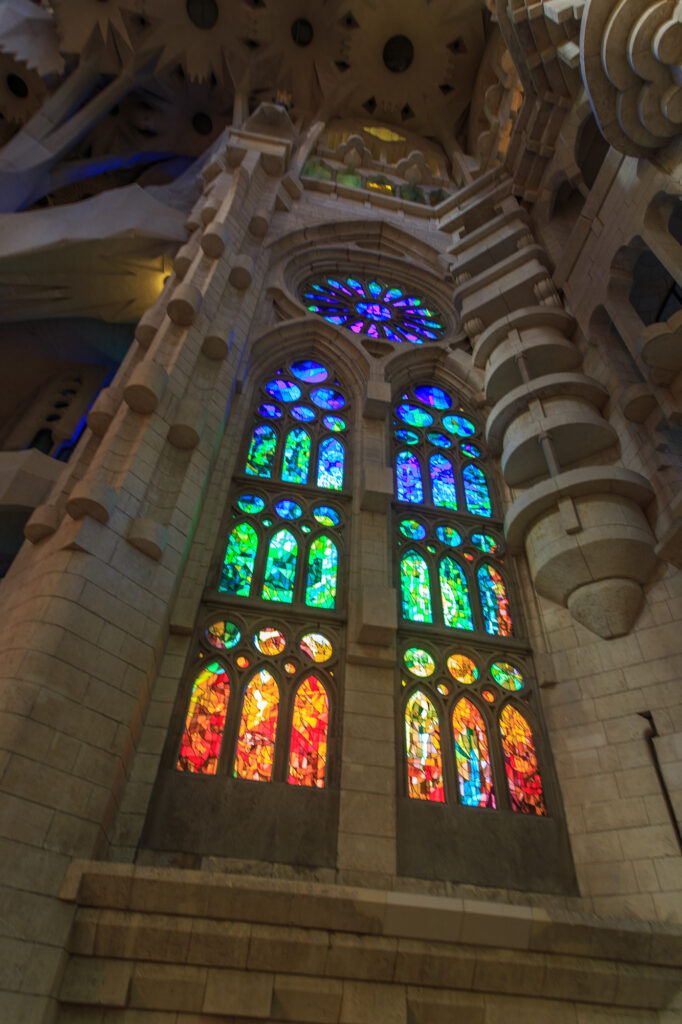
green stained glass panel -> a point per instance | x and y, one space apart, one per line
454 595
419 662
414 588
250 503
322 569
296 457
237 570
280 570
261 452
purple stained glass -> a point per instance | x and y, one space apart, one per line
284 390
325 398
435 397
309 371
442 482
409 478
373 310
334 423
273 412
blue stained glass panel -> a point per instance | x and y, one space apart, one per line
459 425
471 451
442 482
334 423
435 397
261 452
303 413
273 412
414 416
407 436
284 390
325 398
250 503
409 478
412 529
330 464
309 371
296 457
326 516
288 509
476 491
439 439
447 535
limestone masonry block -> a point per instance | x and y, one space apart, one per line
92 498
214 239
146 387
184 304
148 536
377 488
103 411
377 615
187 424
43 522
377 399
241 272
149 324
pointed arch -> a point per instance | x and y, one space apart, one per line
261 455
454 592
521 763
296 458
255 753
443 486
409 485
476 492
309 727
494 602
423 750
240 554
280 569
472 755
330 464
415 588
323 562
205 721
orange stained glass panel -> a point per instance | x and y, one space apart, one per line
521 763
257 729
310 722
424 760
205 722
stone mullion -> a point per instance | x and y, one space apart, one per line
588 542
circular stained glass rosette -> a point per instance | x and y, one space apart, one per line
412 529
443 689
288 509
305 528
269 641
243 662
448 536
407 436
334 423
459 425
506 676
284 390
435 397
303 413
462 669
484 542
289 667
326 516
489 696
375 309
431 548
250 503
223 635
325 398
316 646
309 371
273 412
470 450
419 662
267 522
414 416
439 439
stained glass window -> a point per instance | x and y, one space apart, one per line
409 478
375 309
476 491
257 729
322 565
415 588
309 724
454 595
205 722
442 482
521 763
330 464
494 601
422 741
237 570
280 569
474 772
261 452
296 457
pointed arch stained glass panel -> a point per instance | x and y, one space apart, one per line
205 722
240 555
296 457
422 742
280 569
455 595
322 569
521 763
409 478
261 455
494 601
257 729
442 482
415 588
309 725
476 491
474 772
330 464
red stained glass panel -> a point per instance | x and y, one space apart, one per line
310 722
521 763
205 722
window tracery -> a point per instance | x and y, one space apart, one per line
466 677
